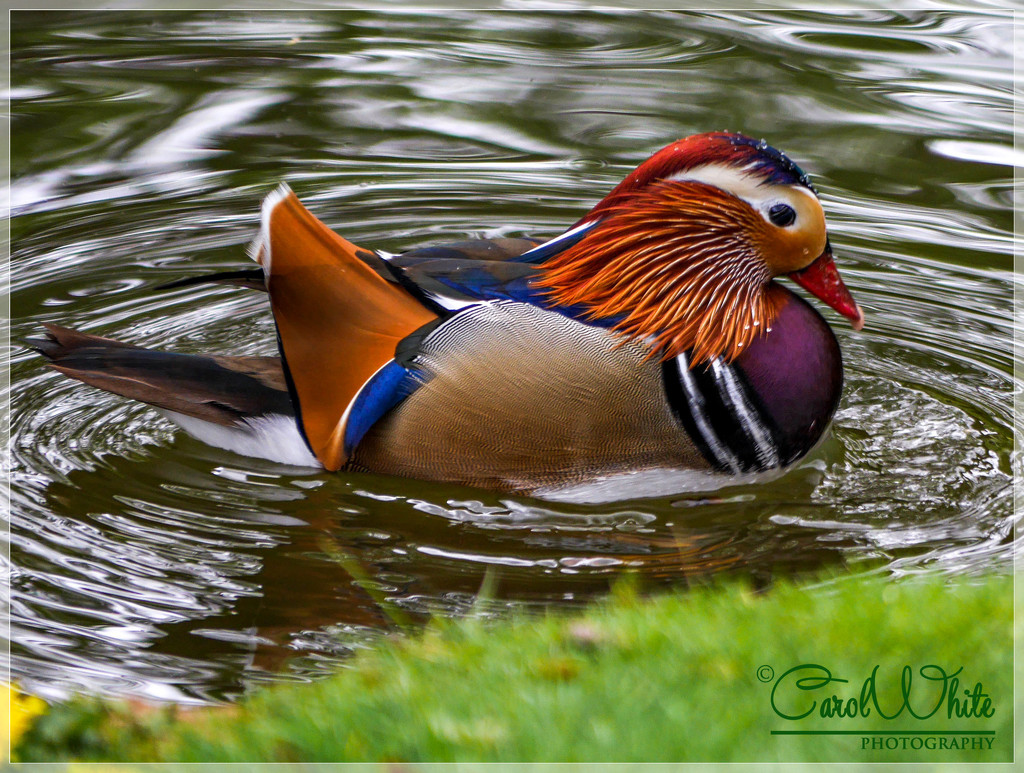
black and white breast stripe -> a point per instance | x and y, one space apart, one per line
718 409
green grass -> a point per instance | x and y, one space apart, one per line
669 678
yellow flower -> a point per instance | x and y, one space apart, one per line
20 710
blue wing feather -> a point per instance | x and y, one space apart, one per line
386 389
552 247
485 269
469 280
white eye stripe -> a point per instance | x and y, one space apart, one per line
744 184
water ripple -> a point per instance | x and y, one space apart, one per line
147 563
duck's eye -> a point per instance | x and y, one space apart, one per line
782 215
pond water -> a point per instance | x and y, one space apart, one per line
147 563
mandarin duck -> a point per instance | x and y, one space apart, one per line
651 335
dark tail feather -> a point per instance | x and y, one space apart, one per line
249 278
212 388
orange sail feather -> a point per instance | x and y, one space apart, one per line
338 320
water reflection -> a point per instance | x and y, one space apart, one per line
148 563
272 569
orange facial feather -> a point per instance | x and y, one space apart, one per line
679 264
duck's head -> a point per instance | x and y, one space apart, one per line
684 250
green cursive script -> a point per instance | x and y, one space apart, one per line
812 678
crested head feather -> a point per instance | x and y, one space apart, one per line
727 149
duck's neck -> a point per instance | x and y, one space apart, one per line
773 403
674 265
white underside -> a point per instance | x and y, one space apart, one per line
273 437
643 484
